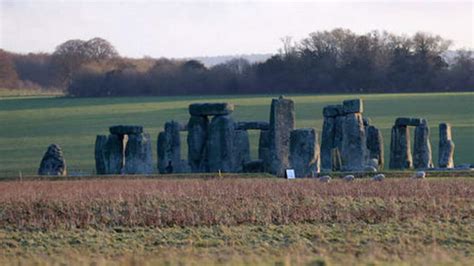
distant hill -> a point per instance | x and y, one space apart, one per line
210 61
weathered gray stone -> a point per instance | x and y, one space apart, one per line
333 110
53 162
206 109
406 121
370 169
327 142
400 150
282 121
338 134
419 175
325 179
241 150
349 178
113 154
264 148
366 121
446 146
220 144
422 147
169 148
375 145
354 145
379 177
304 152
464 166
125 130
336 160
256 125
138 154
197 139
255 166
99 152
353 106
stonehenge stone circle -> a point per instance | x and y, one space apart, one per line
53 162
209 109
138 154
304 152
282 121
169 148
422 147
446 146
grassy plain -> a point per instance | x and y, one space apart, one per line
237 222
29 124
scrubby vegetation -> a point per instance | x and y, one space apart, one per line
237 221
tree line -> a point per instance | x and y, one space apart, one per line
336 61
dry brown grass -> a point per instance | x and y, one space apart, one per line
195 202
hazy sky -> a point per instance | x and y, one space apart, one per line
199 28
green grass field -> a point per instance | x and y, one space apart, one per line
29 124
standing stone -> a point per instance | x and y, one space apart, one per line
336 160
220 144
375 145
241 150
100 161
446 146
53 162
169 149
113 154
422 147
264 148
304 152
197 137
327 142
282 121
354 147
400 150
338 134
138 154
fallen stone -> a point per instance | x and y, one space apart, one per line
125 130
370 169
197 139
255 125
138 154
282 122
325 179
348 178
446 146
255 166
420 175
333 110
354 146
379 177
208 109
220 144
53 162
353 106
304 152
463 166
